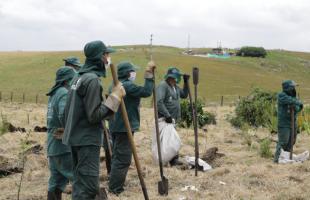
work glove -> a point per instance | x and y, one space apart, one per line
168 120
114 99
186 78
58 133
149 70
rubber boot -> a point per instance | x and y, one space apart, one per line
102 195
51 195
58 194
175 161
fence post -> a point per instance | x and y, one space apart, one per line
37 97
24 97
222 100
11 97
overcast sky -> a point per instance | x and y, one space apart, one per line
68 24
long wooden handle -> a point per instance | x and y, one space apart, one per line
194 123
129 134
195 81
107 137
292 131
157 131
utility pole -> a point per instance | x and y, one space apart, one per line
188 43
151 47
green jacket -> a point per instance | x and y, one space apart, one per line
84 111
55 113
284 103
168 100
134 93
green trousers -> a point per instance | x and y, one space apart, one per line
121 160
284 142
60 171
86 172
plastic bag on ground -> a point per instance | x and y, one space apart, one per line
203 164
285 157
169 140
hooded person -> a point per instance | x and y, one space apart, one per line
168 95
84 113
73 62
122 153
286 99
59 155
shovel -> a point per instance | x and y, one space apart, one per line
195 81
108 152
292 130
163 185
130 138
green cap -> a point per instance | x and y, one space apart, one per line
288 83
175 73
123 68
73 61
95 49
63 74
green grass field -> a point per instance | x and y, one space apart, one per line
34 72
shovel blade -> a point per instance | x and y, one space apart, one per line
163 186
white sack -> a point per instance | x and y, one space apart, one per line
201 163
285 157
170 142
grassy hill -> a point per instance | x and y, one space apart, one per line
34 72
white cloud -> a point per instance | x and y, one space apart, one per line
68 24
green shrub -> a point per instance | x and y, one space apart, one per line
257 109
252 52
304 120
203 117
264 150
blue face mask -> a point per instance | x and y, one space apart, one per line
132 76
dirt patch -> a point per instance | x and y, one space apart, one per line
8 166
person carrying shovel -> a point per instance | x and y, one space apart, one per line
122 152
287 103
84 113
168 99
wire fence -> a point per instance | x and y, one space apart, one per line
23 97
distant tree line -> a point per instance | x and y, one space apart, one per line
252 52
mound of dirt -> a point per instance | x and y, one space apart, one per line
9 166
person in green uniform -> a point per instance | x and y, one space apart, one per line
84 113
286 99
168 99
59 155
122 153
73 62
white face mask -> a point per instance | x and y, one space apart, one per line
108 64
132 76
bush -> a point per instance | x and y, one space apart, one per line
252 52
264 150
304 120
257 109
203 117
